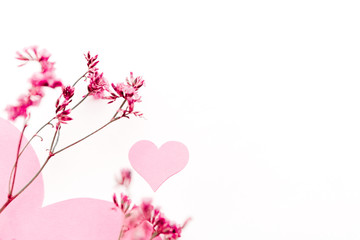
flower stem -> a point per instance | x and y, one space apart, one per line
51 154
36 175
12 197
111 121
121 232
48 123
6 204
19 154
52 142
13 177
80 101
57 139
119 108
155 234
80 79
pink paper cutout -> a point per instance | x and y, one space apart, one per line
26 219
157 165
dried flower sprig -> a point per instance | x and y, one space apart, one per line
145 221
97 87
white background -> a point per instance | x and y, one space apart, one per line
265 94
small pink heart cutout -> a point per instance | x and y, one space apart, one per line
157 165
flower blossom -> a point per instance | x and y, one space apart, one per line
68 92
125 178
125 202
63 117
45 78
147 220
91 63
128 91
161 225
97 85
135 82
62 114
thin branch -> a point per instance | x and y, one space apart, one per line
37 174
80 79
13 177
57 139
113 120
48 123
53 140
80 101
119 108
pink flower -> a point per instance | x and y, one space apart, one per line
36 94
62 114
63 117
68 92
125 202
97 85
135 82
161 225
123 90
33 98
91 63
17 111
125 178
146 221
128 92
45 78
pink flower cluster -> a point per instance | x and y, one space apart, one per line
99 87
145 220
128 91
45 78
98 84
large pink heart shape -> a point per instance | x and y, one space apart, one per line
157 165
26 219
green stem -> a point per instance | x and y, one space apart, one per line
121 232
155 234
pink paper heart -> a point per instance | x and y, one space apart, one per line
26 219
157 165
